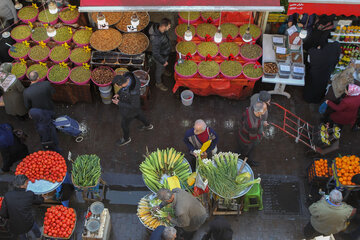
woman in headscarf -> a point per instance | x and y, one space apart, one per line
12 147
13 93
45 128
346 112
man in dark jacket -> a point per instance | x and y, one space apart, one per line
128 100
38 94
16 207
160 49
251 129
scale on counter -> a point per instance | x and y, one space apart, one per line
93 218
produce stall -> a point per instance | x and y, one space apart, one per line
283 62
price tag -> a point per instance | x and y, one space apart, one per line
8 81
207 38
65 45
296 40
208 58
291 30
62 64
285 68
70 30
42 64
86 66
280 50
344 22
188 56
88 28
231 57
23 62
72 7
31 25
87 49
279 40
229 38
131 28
104 25
34 5
299 70
42 44
210 20
26 43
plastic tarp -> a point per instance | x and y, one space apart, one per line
177 6
328 7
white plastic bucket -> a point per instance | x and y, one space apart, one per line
187 97
106 89
106 95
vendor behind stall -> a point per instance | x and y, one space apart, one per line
302 21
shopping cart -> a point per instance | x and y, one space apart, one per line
303 132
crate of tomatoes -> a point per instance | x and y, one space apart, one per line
345 167
319 171
46 165
59 222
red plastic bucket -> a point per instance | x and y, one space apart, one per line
98 84
28 20
61 82
42 60
184 76
250 78
79 63
79 83
65 60
24 39
22 76
249 59
185 20
231 77
70 21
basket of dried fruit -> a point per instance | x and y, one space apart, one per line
229 30
191 18
40 69
39 34
60 54
79 56
255 31
250 52
270 69
185 48
102 76
21 51
253 71
21 33
69 16
106 39
80 75
208 69
19 70
207 48
46 17
125 21
134 43
187 69
63 35
28 14
39 53
82 37
204 29
227 48
231 69
58 74
210 17
110 17
182 28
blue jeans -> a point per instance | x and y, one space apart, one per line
35 229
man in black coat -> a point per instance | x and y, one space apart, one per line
161 49
38 94
16 207
128 100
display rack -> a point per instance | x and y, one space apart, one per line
117 59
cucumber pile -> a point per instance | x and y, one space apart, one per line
86 170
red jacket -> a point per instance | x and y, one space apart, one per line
346 111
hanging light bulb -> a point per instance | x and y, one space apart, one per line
218 36
53 8
18 5
247 36
303 33
188 34
51 31
135 20
101 18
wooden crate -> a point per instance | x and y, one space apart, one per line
105 228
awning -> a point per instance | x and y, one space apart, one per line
328 7
180 5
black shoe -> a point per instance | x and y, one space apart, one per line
123 142
149 127
252 163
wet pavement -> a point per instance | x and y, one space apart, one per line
282 161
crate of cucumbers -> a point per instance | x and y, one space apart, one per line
86 171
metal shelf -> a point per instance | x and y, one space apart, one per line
330 40
112 58
344 34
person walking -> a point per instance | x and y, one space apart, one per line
128 100
251 130
38 94
329 215
16 207
219 229
12 92
12 146
265 97
346 112
8 12
163 233
161 49
189 213
45 128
